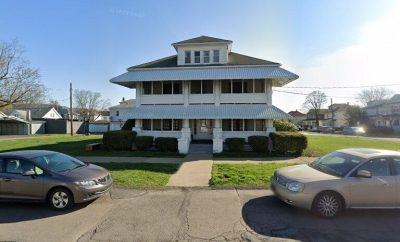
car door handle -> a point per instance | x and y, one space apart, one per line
6 179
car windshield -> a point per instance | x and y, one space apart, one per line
336 163
58 162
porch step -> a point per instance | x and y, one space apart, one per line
200 149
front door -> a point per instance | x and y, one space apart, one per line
378 191
16 186
202 129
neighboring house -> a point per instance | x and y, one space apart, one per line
119 113
11 125
324 119
339 111
204 92
35 112
298 117
384 113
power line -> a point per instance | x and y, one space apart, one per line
341 87
305 94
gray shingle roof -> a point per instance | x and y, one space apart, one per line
234 59
202 39
224 111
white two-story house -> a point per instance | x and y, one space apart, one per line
205 92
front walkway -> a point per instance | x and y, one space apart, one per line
194 172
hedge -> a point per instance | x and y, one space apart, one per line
144 142
259 143
283 125
119 140
235 144
288 142
166 143
128 125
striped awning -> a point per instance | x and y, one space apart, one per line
279 75
204 111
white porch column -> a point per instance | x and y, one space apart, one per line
218 140
269 126
138 126
138 94
269 91
184 140
185 87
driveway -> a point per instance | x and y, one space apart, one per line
191 214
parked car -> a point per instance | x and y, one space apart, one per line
344 179
59 179
353 131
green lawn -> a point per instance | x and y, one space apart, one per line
244 174
140 175
320 145
73 145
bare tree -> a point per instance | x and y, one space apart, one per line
374 94
19 83
314 101
89 104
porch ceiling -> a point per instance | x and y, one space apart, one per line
224 111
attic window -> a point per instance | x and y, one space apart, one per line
206 56
187 57
197 57
216 56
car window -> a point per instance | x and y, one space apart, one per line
17 166
377 167
396 165
336 163
1 165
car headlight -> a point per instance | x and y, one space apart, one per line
295 186
86 183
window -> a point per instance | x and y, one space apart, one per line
259 124
237 86
197 57
377 167
187 57
177 124
237 125
146 124
396 165
206 56
15 166
167 87
248 86
259 86
195 87
226 86
117 113
177 87
167 124
146 88
207 86
157 124
157 88
249 124
226 125
216 56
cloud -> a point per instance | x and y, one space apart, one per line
373 60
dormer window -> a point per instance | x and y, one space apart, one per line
206 56
187 57
216 56
197 57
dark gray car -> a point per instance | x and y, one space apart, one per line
59 179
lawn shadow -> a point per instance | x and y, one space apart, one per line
269 216
14 212
166 168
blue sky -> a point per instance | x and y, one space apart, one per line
89 42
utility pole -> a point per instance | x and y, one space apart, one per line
71 114
333 124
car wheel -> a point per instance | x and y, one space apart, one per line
60 199
328 204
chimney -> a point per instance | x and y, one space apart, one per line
28 115
123 99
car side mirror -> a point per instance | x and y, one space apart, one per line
364 174
29 173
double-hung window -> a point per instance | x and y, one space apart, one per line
206 56
197 57
216 56
187 57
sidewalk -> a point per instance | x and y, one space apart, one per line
194 172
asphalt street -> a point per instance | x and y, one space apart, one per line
191 215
